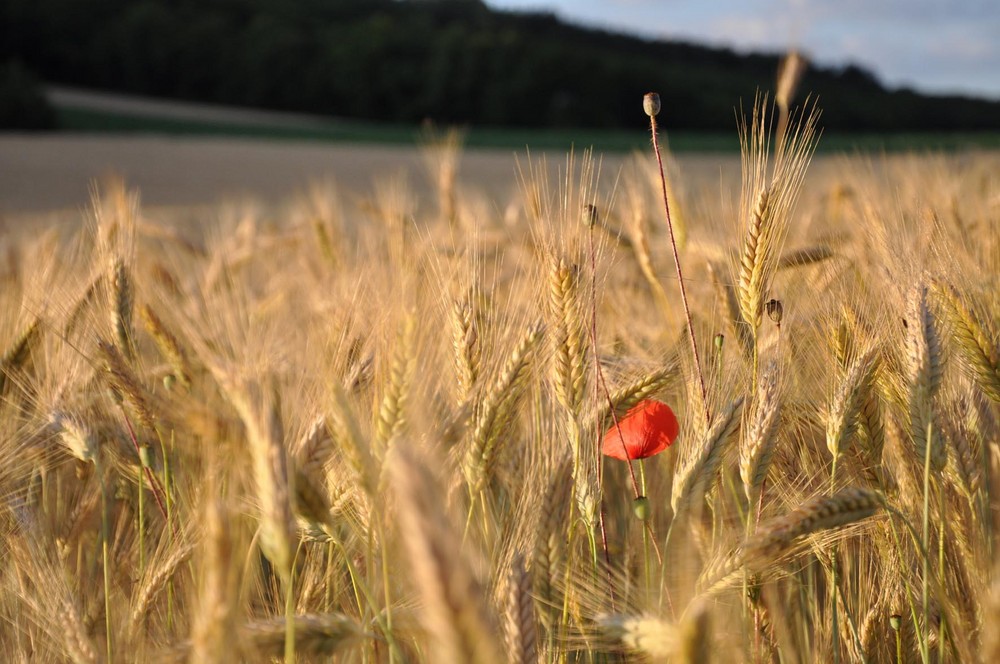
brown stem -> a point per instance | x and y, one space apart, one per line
597 368
680 273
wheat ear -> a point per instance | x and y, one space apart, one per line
260 412
842 420
497 410
315 634
126 384
550 541
18 353
924 368
454 609
650 635
121 307
757 248
522 631
465 341
760 437
822 513
805 256
567 333
168 345
694 478
977 345
642 388
392 412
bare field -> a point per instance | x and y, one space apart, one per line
40 174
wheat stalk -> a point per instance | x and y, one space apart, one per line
694 478
214 629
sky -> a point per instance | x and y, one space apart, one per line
943 46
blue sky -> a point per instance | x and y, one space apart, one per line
930 45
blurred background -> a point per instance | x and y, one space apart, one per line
546 73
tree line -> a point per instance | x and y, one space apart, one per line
452 61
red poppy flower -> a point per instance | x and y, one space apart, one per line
647 429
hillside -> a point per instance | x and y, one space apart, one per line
450 61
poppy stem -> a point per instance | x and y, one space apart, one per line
680 273
597 367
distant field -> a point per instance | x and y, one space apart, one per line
85 111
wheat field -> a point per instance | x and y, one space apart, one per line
367 427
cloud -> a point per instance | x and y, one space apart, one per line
927 44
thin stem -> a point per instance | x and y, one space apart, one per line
680 273
943 629
154 485
142 521
167 490
290 617
645 534
597 366
385 588
926 533
359 585
104 553
834 568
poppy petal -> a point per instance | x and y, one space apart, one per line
647 429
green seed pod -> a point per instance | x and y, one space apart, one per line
640 506
589 215
145 457
720 339
651 104
895 621
168 382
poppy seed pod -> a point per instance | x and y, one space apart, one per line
651 104
640 507
774 310
645 431
589 215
